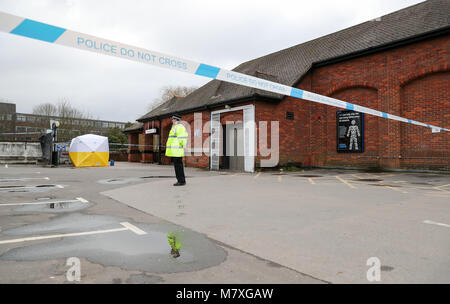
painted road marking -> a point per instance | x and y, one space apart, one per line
311 181
78 199
436 223
29 187
133 228
18 179
345 182
257 175
279 178
439 188
127 226
393 188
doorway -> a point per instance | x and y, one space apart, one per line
233 146
233 149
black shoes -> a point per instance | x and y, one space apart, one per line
179 184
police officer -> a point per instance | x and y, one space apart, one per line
175 148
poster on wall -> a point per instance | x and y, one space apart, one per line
350 132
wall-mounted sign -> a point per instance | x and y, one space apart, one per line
350 131
151 131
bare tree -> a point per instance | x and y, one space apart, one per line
62 109
46 109
68 116
168 92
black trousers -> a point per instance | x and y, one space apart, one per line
179 170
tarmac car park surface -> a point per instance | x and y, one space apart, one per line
313 226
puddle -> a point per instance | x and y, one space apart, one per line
124 249
126 180
162 177
383 185
21 188
368 180
118 181
22 179
309 176
55 207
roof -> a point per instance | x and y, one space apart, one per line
289 65
138 126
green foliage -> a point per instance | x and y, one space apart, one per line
173 242
292 168
115 136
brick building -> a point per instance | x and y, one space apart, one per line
398 64
29 127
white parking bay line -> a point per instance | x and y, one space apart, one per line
311 181
436 223
392 188
78 199
133 228
127 226
60 235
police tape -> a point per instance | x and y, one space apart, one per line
41 31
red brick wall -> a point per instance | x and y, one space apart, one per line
411 81
135 155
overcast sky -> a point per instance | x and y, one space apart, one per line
220 33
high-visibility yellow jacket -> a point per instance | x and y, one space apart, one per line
177 141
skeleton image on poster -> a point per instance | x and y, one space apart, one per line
350 131
353 133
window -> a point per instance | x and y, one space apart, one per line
290 115
21 118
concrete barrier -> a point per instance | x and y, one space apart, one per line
20 152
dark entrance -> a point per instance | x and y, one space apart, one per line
233 146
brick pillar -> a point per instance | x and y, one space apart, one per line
133 155
389 129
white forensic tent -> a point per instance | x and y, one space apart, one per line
89 150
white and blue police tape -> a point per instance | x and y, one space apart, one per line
37 30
